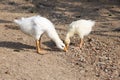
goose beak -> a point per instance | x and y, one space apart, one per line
65 49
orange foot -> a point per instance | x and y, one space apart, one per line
41 52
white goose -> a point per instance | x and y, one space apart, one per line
35 26
81 27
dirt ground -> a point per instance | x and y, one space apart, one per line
99 59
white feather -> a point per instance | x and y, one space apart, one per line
36 26
81 27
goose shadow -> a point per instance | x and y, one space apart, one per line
17 46
13 27
51 46
101 33
5 21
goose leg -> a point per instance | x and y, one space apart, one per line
67 45
38 46
81 43
40 42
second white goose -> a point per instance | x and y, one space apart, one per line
81 27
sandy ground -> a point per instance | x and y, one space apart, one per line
99 59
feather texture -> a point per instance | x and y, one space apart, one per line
35 26
81 27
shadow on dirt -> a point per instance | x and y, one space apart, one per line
13 27
64 11
116 30
15 45
102 33
15 7
51 45
105 33
4 21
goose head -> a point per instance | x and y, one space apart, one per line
62 46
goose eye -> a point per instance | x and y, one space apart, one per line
62 46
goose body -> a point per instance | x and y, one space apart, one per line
35 26
81 27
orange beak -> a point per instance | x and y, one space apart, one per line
65 49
